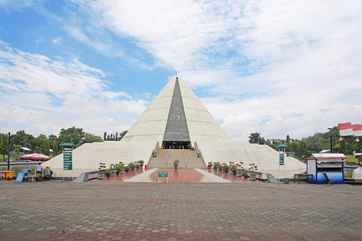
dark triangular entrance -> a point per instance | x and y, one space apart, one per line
176 134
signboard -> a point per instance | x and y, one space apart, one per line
348 129
20 177
67 156
281 158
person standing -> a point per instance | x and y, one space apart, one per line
175 164
39 171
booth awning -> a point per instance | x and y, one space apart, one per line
35 157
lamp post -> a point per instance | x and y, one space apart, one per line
8 150
358 149
331 137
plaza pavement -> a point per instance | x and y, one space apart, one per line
111 210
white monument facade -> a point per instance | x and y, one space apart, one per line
176 119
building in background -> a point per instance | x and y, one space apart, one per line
349 130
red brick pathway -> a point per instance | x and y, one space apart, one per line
123 176
179 176
231 177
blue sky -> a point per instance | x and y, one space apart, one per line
278 67
38 29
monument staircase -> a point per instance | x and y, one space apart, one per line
164 158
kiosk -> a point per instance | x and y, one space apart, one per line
326 168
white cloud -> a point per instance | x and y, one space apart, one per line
81 36
40 95
279 67
173 32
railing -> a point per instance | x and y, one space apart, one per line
88 176
20 163
199 154
154 153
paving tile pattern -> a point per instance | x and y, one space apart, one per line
146 211
208 177
182 175
143 177
123 176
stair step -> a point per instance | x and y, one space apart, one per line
187 159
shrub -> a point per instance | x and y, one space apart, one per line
108 173
131 166
225 168
216 166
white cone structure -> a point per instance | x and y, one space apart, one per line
178 110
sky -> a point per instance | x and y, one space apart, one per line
277 67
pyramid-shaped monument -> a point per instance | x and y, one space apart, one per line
176 126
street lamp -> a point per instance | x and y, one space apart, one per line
8 150
331 137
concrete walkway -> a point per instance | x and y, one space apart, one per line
210 178
143 177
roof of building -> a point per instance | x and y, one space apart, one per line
344 125
328 156
357 127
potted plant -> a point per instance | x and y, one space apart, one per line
252 173
108 173
131 166
113 168
225 168
119 168
141 162
216 166
209 166
233 169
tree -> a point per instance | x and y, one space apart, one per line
254 138
41 144
3 145
89 138
54 144
288 139
73 135
22 139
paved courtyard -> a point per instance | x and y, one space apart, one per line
114 210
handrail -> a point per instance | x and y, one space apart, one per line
198 151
